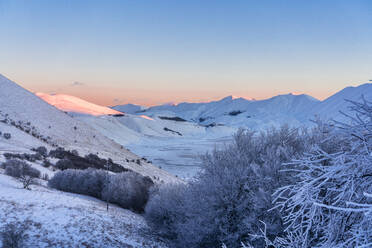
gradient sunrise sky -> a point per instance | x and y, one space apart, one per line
152 52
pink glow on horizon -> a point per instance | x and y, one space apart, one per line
153 99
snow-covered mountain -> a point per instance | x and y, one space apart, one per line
239 112
173 136
330 108
129 108
76 105
33 122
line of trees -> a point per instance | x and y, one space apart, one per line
129 190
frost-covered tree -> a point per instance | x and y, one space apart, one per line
129 190
64 164
42 151
88 182
330 204
165 209
229 198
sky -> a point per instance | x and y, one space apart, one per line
154 52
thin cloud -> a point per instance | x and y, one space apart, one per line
77 84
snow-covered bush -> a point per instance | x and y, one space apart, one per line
64 164
232 194
129 190
86 182
330 203
164 209
23 156
22 171
59 152
42 151
46 163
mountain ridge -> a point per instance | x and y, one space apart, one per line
34 122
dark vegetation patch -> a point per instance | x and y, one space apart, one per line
23 156
117 115
235 112
202 119
72 160
172 118
7 136
213 125
172 131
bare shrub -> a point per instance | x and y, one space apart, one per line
7 135
13 235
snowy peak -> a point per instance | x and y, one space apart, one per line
73 104
330 108
129 108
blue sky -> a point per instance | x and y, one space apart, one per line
150 52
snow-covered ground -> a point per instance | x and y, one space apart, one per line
59 219
179 156
146 137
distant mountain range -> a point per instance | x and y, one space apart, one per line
291 109
174 136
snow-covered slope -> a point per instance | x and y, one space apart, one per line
330 108
59 219
76 105
34 121
129 108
